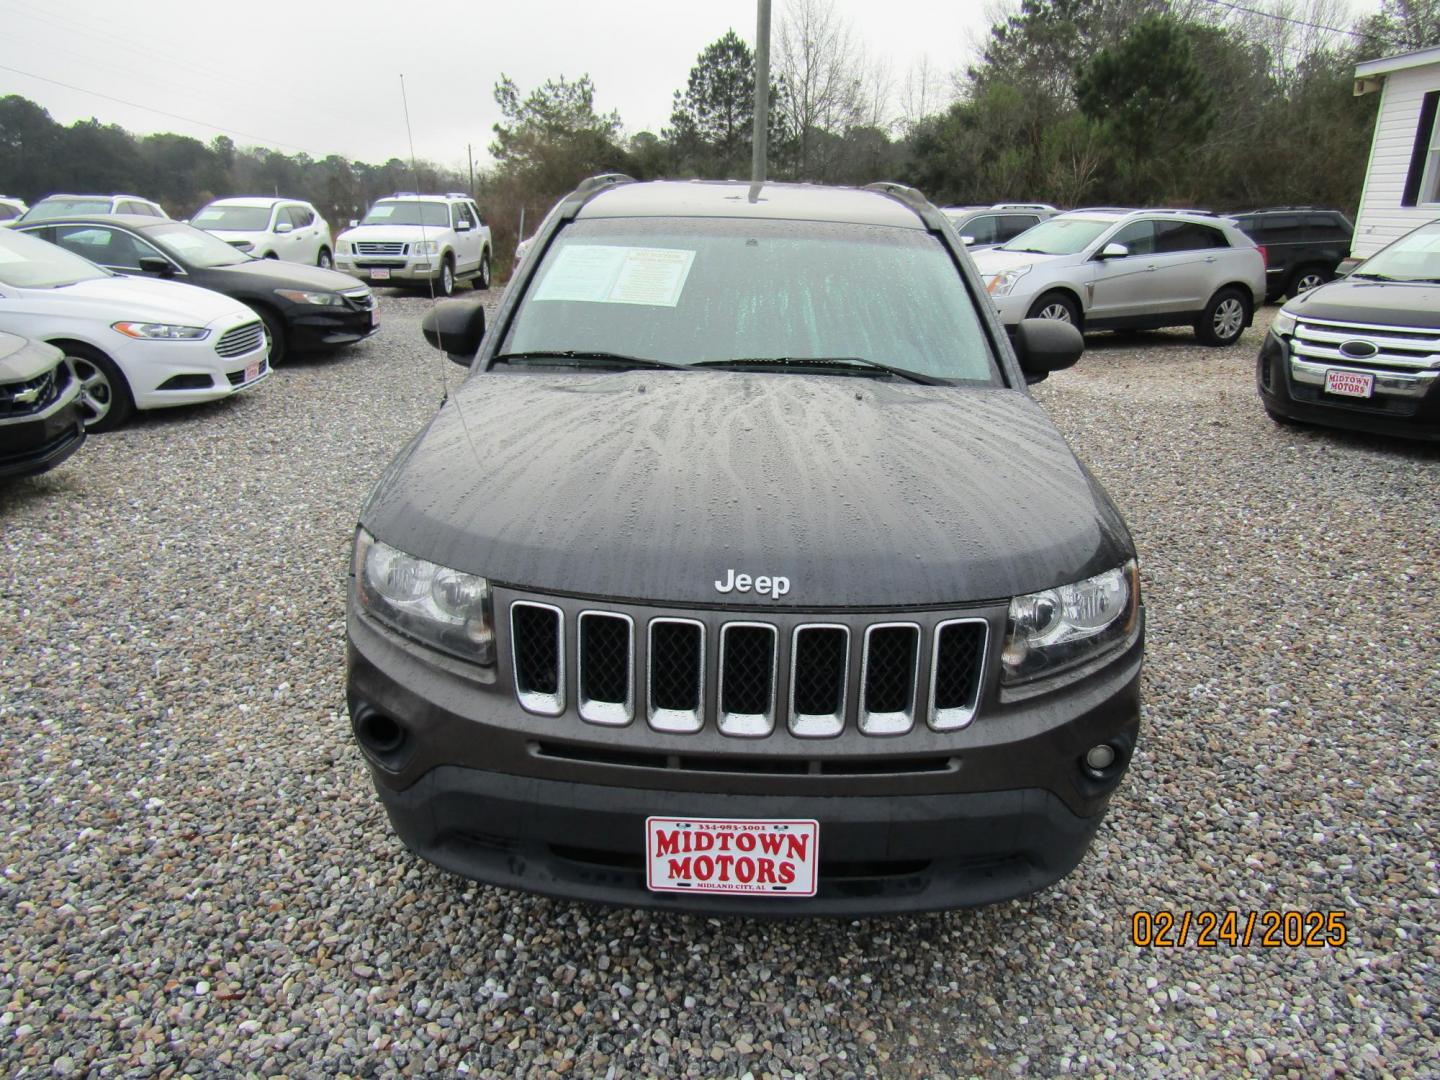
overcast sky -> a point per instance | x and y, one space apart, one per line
324 78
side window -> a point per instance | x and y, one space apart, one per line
301 217
981 229
462 213
1327 226
1282 228
479 217
1012 225
153 210
108 247
1138 236
1174 236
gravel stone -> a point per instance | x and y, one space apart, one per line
184 807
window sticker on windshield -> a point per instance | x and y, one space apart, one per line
208 215
601 274
381 211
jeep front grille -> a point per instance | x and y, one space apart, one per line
765 673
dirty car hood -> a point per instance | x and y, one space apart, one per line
653 485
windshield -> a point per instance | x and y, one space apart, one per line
28 262
233 218
53 208
696 290
1414 257
192 246
1063 235
395 212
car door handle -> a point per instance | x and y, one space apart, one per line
1152 266
1209 258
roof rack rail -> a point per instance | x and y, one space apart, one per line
912 199
456 195
587 190
402 194
1022 206
1104 209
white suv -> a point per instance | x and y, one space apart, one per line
408 238
1112 269
53 206
286 229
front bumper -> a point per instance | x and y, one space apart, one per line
40 443
409 268
312 326
551 805
1404 403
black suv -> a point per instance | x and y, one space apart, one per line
743 575
1302 245
1363 353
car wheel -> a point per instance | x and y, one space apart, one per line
482 279
1224 318
445 284
1057 306
105 402
325 262
1307 278
270 255
274 334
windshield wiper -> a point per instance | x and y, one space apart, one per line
857 365
587 358
1373 277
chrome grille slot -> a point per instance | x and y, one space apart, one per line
819 672
537 645
888 672
677 675
604 667
747 679
242 339
1319 340
956 666
380 247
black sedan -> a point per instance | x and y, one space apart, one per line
303 307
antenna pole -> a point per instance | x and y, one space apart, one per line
762 93
470 152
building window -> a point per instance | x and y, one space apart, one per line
1422 183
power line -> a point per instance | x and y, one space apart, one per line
1285 18
160 112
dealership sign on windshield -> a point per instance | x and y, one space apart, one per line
769 858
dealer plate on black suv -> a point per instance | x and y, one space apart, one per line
766 858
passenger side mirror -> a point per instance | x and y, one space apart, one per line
1114 251
1046 345
455 326
154 264
284 227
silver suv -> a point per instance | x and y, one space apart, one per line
982 227
1115 269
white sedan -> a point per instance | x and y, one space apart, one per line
134 342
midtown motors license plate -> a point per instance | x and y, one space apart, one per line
1349 383
379 275
753 858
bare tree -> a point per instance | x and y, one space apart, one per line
922 93
821 67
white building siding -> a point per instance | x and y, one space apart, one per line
1382 218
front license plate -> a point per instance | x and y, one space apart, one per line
1349 383
750 858
379 275
252 372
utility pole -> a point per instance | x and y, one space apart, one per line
762 95
470 152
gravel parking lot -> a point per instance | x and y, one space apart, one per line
198 877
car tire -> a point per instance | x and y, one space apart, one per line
274 334
270 255
1306 278
445 282
1224 319
482 279
1058 306
324 259
105 401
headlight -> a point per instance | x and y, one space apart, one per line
1000 284
1060 628
299 296
1283 325
437 606
154 331
427 247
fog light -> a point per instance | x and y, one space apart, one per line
1100 757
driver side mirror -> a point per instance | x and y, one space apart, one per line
463 225
1114 251
1046 345
283 227
353 223
154 264
456 326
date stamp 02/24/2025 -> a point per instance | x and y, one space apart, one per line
1206 929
